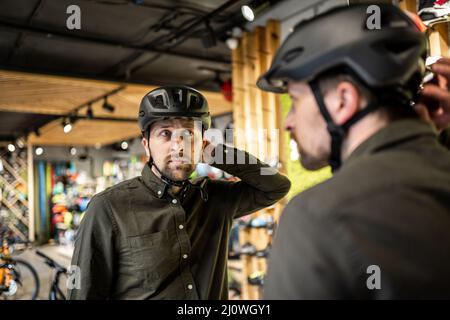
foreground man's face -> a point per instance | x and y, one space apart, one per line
307 127
176 146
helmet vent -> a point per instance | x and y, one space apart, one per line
193 102
159 101
292 54
177 96
397 47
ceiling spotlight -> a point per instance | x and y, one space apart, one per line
248 13
89 112
20 143
108 107
232 43
11 147
236 32
68 125
124 145
39 151
73 151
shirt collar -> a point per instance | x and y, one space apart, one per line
396 132
153 182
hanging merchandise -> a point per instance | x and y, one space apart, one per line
71 189
433 12
42 203
227 90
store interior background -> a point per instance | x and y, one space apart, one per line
63 171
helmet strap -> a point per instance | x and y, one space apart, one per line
167 180
337 132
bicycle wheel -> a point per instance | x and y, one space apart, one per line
25 282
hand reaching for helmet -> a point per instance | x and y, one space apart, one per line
440 94
207 152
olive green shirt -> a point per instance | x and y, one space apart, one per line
384 215
138 241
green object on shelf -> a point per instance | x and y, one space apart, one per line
301 178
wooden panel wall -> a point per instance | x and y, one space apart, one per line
254 111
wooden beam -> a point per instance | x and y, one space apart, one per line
34 93
85 133
255 110
55 95
238 95
438 36
408 5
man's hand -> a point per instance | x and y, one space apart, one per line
207 152
440 94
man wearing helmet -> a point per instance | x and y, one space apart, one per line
379 228
160 235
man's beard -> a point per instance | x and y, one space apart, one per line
179 172
310 162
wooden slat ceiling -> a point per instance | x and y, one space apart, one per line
44 94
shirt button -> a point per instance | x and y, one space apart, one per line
185 256
174 201
190 286
181 226
159 192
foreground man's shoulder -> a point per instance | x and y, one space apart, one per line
337 192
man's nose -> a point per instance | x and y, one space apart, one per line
178 143
288 123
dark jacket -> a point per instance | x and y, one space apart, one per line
137 241
388 206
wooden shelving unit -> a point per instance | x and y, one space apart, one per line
437 35
255 110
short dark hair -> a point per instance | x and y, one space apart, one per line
395 110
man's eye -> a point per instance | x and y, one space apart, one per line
165 133
188 133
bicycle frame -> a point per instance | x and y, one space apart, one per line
55 291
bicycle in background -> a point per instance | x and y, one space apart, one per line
18 279
55 292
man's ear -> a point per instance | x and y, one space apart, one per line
347 102
146 146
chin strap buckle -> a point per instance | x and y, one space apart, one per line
181 184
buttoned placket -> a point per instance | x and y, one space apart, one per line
185 248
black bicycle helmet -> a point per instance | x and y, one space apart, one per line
173 102
382 57
388 59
